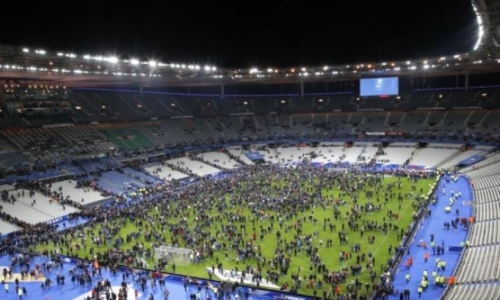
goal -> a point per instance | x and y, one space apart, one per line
179 256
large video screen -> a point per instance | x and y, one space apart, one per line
384 86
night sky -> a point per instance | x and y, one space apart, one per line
243 34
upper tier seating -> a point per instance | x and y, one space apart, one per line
41 144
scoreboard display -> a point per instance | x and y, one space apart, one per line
379 87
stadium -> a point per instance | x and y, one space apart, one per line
130 178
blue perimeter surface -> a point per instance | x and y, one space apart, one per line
70 291
435 225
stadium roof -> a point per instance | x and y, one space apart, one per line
74 70
488 19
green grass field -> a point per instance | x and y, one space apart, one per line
299 263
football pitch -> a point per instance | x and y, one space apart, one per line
234 220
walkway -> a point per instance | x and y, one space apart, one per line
435 225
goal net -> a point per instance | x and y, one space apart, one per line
179 256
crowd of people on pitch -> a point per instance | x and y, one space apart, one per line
280 201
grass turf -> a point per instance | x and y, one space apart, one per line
299 263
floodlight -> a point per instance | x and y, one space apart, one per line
112 59
134 61
152 63
26 50
86 57
207 68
